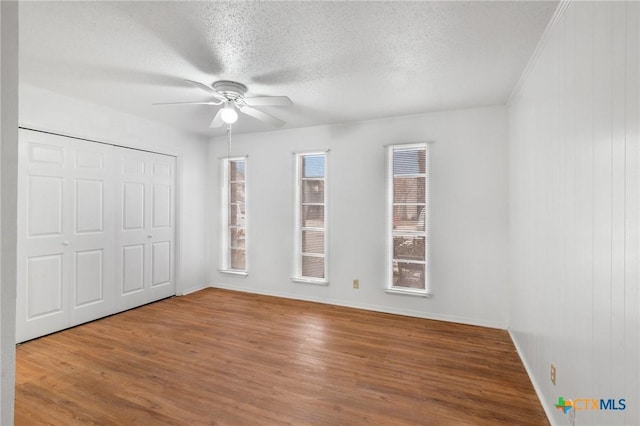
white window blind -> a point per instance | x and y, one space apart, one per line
408 218
234 229
310 245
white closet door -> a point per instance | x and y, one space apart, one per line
95 231
144 228
91 231
162 194
131 229
44 250
65 249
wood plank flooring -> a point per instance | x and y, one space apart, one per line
218 357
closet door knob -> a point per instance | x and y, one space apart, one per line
149 236
65 243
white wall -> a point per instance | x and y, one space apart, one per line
573 173
469 221
8 207
45 110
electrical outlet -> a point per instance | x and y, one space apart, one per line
356 283
553 374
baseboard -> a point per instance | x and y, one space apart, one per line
545 405
367 307
192 290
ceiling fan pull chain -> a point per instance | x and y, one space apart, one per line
229 143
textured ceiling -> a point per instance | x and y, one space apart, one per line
337 61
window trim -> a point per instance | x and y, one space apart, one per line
297 276
225 257
389 287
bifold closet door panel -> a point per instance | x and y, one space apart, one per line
144 227
42 305
131 228
65 228
91 234
162 227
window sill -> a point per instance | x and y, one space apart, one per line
233 273
408 292
309 281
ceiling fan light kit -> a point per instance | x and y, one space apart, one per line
231 94
228 114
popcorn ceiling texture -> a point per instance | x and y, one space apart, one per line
338 61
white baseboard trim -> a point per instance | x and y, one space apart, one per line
546 405
367 307
192 290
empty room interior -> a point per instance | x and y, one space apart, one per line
320 213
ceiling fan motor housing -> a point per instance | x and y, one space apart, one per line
230 89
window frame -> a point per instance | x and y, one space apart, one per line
390 232
298 228
225 258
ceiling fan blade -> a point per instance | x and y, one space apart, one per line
206 88
268 100
217 120
201 86
263 116
189 103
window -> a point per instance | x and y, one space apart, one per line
408 213
310 245
234 226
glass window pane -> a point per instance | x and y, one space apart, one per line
313 166
237 237
409 161
235 195
409 189
238 260
410 217
313 242
409 248
313 267
313 216
237 192
236 170
409 275
313 191
236 214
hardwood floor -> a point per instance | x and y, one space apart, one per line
228 358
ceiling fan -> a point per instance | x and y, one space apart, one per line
231 95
